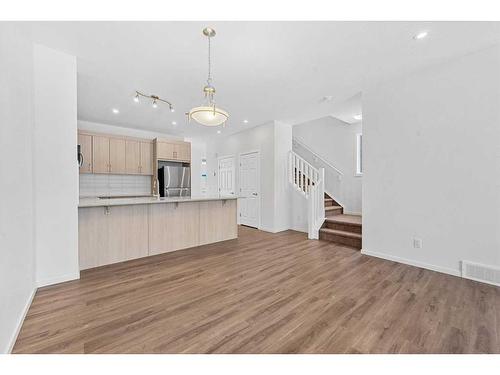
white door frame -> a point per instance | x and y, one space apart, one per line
258 183
219 158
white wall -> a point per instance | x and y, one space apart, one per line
273 140
334 141
432 164
17 256
198 152
282 190
55 166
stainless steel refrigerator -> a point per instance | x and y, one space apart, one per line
174 179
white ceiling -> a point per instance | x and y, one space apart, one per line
262 70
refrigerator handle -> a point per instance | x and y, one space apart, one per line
182 178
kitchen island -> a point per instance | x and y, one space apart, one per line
119 229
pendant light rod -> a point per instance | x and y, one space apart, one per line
209 33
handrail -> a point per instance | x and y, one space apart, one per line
302 144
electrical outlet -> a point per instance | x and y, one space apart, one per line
417 243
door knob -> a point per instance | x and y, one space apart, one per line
254 194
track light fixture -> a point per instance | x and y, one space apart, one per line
155 99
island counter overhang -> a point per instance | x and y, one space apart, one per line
117 230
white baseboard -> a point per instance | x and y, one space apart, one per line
20 321
411 262
57 280
270 230
298 229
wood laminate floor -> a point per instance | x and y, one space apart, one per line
263 293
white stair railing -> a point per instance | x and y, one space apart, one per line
333 176
310 182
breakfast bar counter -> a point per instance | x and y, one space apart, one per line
123 201
120 229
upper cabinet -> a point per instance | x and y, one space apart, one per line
85 142
173 150
119 155
146 166
139 157
100 148
182 151
109 155
133 157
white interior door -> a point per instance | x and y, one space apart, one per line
249 195
226 176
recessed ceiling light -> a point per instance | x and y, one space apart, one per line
420 35
358 117
115 110
174 122
218 131
245 121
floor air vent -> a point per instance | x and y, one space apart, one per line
480 272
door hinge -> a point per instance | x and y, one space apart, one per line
240 214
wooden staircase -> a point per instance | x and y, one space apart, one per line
340 228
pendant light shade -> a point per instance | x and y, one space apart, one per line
209 116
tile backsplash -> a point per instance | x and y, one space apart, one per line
95 185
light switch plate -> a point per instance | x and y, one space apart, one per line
417 243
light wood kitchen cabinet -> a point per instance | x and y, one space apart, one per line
165 151
100 151
173 226
146 158
117 156
114 234
85 142
109 154
132 157
182 151
175 150
217 221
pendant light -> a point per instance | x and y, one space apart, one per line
209 114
